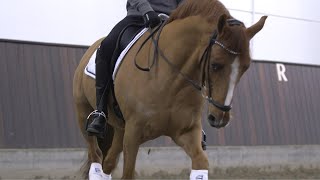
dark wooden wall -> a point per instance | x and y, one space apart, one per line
36 107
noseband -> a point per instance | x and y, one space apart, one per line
204 58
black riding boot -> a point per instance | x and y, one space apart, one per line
98 125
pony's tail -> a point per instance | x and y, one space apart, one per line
85 169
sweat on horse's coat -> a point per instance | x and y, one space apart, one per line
172 91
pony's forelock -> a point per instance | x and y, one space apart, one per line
235 39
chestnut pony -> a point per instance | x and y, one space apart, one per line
201 54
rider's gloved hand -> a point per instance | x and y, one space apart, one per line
151 19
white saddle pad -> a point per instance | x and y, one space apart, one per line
90 69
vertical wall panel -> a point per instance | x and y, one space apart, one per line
36 95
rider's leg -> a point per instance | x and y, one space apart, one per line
103 74
97 127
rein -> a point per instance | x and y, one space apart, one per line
204 58
157 50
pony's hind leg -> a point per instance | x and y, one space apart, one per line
191 143
94 153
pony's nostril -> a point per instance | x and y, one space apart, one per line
211 118
214 122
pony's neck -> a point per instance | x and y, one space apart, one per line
188 39
183 42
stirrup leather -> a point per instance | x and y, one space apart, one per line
204 141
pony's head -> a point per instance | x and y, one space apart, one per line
228 59
225 58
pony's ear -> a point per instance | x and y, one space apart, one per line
254 29
221 23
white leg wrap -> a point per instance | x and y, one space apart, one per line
199 175
107 176
95 172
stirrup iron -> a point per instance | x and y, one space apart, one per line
98 113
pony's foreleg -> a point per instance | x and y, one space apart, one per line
191 143
112 157
132 137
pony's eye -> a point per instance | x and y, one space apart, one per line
216 66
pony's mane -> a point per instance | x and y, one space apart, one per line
209 9
234 38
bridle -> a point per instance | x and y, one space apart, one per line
205 58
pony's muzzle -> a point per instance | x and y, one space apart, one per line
217 123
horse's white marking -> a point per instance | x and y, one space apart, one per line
233 80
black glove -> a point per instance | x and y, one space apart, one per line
151 19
